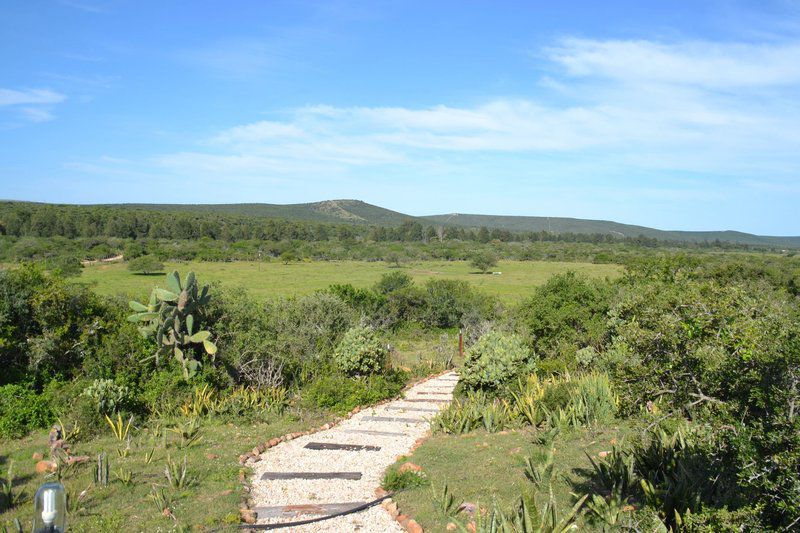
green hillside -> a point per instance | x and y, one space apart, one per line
578 225
334 211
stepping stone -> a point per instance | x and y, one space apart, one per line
311 475
373 432
292 511
345 447
393 419
417 409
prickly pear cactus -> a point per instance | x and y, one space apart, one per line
169 317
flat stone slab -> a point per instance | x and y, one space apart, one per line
311 475
417 409
344 447
376 433
393 419
292 511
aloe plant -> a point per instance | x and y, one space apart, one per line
170 316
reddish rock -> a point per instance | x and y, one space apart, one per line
255 459
255 451
261 447
402 519
273 442
409 467
451 526
37 456
413 527
356 410
242 458
380 492
248 516
43 467
77 459
603 455
212 456
471 527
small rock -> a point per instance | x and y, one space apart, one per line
402 519
248 516
380 492
451 526
261 447
409 467
37 456
356 410
391 508
255 459
467 507
43 467
296 435
471 527
273 442
242 459
287 438
614 441
212 456
226 492
603 455
326 427
255 451
413 527
77 459
242 477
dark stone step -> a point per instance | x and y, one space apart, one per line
378 433
312 475
292 511
344 447
416 409
393 419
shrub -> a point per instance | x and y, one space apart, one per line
145 264
565 314
483 261
360 352
446 301
22 410
107 396
392 282
495 360
341 394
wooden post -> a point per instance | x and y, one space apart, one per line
460 344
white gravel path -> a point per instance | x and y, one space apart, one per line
291 456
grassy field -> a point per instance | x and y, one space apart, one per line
268 280
482 468
208 501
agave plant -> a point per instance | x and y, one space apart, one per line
170 317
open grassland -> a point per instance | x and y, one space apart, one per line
273 279
484 468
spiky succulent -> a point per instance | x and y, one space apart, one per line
169 317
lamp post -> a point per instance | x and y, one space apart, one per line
50 509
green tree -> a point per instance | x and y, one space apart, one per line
484 261
146 264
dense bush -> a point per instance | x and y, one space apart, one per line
447 301
566 314
47 325
21 410
107 396
495 360
360 352
341 394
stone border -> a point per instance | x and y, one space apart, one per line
246 513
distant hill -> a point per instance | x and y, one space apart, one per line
579 225
333 211
362 213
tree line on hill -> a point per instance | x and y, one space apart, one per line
19 219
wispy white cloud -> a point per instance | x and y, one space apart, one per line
33 105
29 96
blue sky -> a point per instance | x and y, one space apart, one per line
671 114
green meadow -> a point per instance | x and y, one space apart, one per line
274 279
